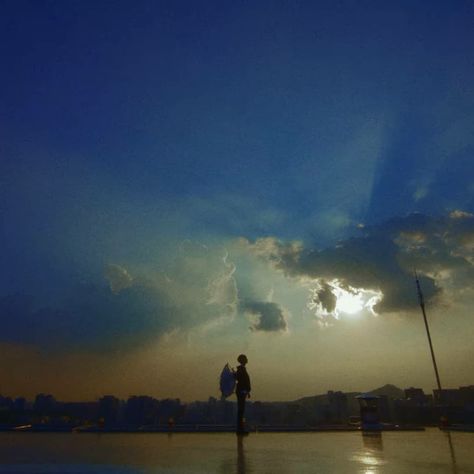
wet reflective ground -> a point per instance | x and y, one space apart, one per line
431 451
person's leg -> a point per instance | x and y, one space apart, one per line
240 411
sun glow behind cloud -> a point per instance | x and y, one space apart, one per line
348 302
334 299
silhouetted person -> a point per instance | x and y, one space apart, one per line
242 390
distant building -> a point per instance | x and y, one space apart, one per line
457 397
19 405
456 404
6 403
417 395
416 408
109 410
337 407
141 410
170 410
45 404
6 406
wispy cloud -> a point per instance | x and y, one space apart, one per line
197 288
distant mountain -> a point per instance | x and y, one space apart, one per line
322 399
389 391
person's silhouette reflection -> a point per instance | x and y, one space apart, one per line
241 467
236 463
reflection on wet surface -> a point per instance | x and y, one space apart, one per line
431 451
452 452
241 466
371 456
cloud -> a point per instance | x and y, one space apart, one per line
269 316
118 277
458 214
326 297
281 254
198 287
330 299
383 260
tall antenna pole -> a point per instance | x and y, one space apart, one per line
422 305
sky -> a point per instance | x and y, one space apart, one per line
182 182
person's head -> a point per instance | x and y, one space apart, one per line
242 359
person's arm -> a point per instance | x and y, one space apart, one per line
237 374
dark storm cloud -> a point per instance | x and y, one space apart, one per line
385 256
269 316
326 297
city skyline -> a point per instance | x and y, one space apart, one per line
182 183
389 390
398 409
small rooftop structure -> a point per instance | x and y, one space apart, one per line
369 411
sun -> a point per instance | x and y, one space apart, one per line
348 302
353 301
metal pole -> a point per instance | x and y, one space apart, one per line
422 305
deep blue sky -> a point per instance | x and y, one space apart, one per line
128 127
